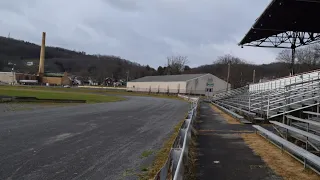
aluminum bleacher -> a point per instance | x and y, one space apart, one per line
275 98
291 104
308 159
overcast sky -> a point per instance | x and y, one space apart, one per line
144 31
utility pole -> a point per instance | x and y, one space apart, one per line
292 61
254 75
228 76
241 79
13 74
128 75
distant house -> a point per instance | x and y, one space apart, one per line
29 63
109 81
56 79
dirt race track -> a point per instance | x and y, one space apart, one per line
91 141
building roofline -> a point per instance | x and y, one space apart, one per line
199 77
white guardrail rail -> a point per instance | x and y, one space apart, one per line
178 156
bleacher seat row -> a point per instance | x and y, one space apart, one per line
290 104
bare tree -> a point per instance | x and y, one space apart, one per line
284 56
176 64
307 55
229 59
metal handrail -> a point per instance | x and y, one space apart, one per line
277 98
228 102
289 97
239 109
303 93
292 84
295 103
297 88
230 91
286 112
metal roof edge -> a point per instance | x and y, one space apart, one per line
255 23
200 75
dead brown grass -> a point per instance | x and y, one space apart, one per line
228 118
281 163
162 155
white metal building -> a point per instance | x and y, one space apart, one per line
8 77
201 84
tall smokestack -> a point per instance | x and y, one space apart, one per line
42 54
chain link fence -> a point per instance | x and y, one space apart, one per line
178 157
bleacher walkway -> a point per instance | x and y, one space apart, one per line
222 152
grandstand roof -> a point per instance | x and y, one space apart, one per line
284 23
168 78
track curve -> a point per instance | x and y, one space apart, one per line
92 141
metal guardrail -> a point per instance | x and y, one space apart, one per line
307 157
178 156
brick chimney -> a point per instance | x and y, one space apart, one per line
42 55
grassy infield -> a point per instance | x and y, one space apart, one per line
91 95
97 96
56 93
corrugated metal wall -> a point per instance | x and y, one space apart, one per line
8 77
161 87
199 85
193 86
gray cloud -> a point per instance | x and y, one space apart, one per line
144 31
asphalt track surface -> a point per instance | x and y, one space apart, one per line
92 141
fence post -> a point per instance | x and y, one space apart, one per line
261 102
285 101
249 101
268 106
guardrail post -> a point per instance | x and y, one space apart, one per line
285 106
318 100
249 101
268 106
261 110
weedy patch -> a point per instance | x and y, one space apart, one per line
226 117
144 169
146 153
161 155
128 172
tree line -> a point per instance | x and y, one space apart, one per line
99 67
18 53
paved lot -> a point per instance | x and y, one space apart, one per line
92 141
223 154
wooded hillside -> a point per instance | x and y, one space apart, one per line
59 60
99 67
